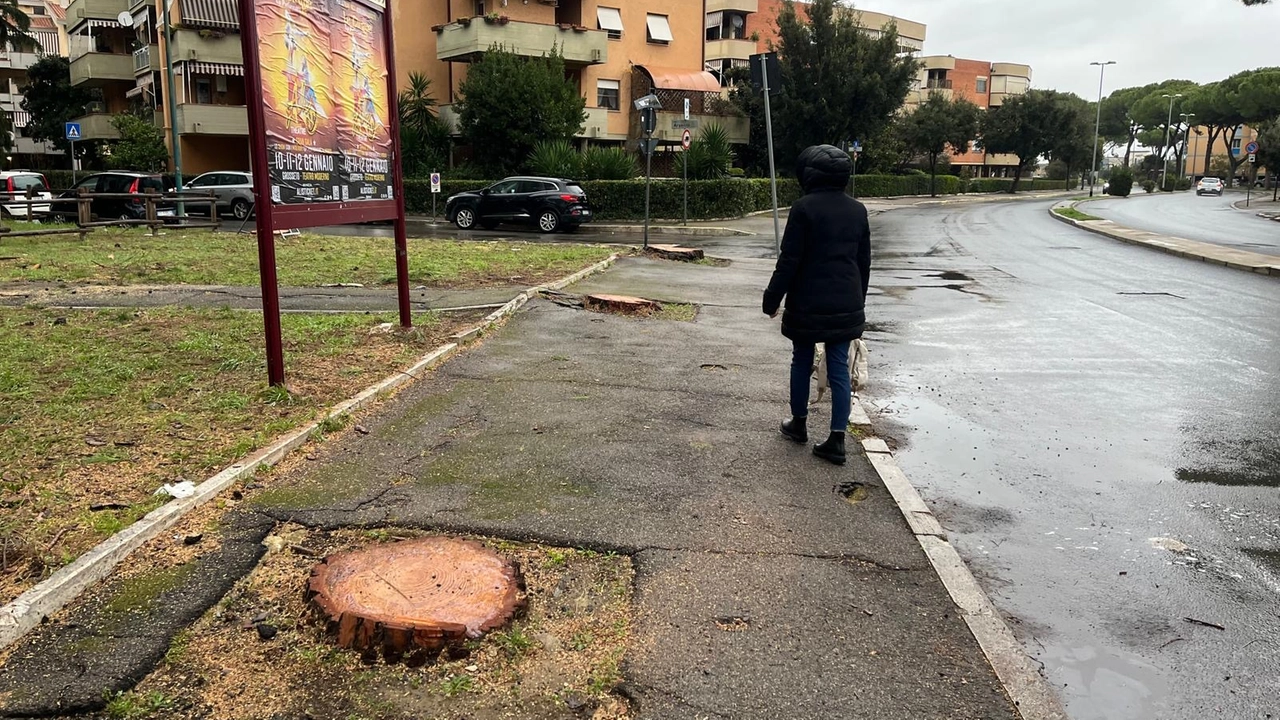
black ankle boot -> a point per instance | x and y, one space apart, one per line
795 430
832 450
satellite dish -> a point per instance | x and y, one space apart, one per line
125 19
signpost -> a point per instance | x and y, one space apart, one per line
648 107
853 148
687 107
686 141
1252 149
435 190
73 134
323 131
764 74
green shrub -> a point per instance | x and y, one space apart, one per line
1149 185
611 163
709 157
555 158
1121 183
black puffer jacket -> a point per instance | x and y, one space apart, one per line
826 255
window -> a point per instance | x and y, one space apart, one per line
202 181
610 20
528 187
506 187
658 29
714 21
204 91
607 94
479 7
1235 146
982 86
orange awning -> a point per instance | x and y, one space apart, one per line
673 79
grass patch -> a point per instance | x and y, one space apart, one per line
679 312
1074 214
98 409
116 256
130 705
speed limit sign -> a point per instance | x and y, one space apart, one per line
686 140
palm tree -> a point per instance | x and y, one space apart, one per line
417 107
15 27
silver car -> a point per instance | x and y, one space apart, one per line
234 189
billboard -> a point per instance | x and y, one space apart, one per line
325 92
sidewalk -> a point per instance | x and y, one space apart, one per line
655 439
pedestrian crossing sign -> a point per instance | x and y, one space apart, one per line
73 131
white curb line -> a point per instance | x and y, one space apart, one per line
50 595
1029 690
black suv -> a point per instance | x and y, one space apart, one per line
114 208
550 204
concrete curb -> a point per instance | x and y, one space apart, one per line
682 230
35 605
1206 252
1029 690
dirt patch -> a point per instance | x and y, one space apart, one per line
559 660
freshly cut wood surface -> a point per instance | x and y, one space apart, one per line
415 598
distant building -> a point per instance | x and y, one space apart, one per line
47 28
1224 146
983 83
763 25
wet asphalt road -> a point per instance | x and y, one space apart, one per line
1207 218
1061 400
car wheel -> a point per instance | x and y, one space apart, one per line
488 224
549 221
465 219
240 208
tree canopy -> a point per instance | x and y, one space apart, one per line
1030 126
510 103
15 27
140 147
939 123
51 100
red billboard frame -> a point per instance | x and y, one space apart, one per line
271 218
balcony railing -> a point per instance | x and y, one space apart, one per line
457 42
938 84
142 59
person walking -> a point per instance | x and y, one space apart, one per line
822 272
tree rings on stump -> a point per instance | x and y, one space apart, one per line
416 597
620 304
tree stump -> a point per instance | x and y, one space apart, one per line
676 252
620 304
416 597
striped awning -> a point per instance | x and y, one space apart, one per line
20 118
95 23
208 68
222 14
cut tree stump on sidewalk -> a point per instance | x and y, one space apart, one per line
675 252
620 304
415 598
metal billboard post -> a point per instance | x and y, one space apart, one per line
397 175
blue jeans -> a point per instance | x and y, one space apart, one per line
837 377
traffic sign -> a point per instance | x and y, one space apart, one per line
1251 148
687 107
1253 158
435 182
686 140
73 131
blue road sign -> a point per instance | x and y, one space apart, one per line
73 131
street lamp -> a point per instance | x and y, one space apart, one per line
1097 126
1164 173
1186 120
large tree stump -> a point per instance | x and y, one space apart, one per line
415 598
620 304
675 252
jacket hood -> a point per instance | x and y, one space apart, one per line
823 167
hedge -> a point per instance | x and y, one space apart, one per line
709 199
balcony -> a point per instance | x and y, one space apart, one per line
938 84
146 59
671 126
465 43
81 10
136 5
98 69
188 45
730 49
17 60
746 6
195 119
97 126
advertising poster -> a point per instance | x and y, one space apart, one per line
324 77
360 77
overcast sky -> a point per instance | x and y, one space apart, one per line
1151 40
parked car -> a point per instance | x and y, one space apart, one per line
14 185
64 207
1211 185
234 189
550 204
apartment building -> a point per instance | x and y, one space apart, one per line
729 43
763 25
615 51
1224 146
985 84
47 29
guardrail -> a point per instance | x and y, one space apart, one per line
86 221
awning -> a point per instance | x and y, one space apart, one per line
94 23
609 19
144 80
224 14
49 42
42 22
673 79
208 68
659 28
715 19
133 92
21 118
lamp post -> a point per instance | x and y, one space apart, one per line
1097 126
1186 120
1164 172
